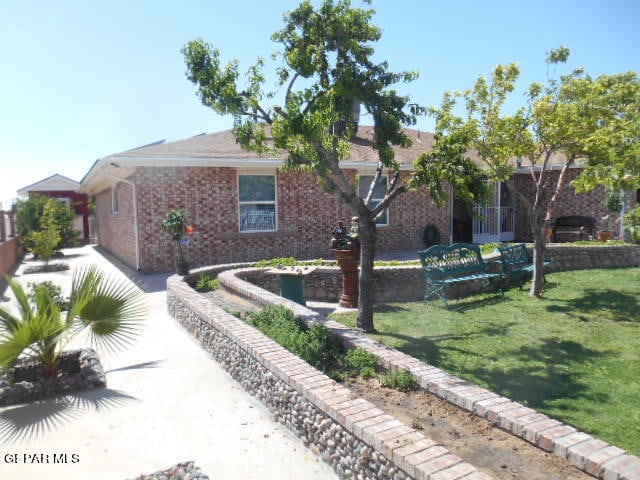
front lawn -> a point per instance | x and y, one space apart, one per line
574 354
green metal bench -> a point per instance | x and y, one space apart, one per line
516 262
447 265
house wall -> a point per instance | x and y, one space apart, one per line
306 217
115 230
570 203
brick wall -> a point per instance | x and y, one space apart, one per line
570 203
306 217
115 230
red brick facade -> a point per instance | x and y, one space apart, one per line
306 216
570 203
115 229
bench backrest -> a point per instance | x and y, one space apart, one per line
514 254
575 221
459 258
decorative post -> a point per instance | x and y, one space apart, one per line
3 224
346 248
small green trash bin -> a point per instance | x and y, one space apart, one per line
292 281
292 288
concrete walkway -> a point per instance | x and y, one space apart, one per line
166 402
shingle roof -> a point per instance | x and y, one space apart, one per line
223 145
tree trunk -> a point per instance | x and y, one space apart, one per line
539 245
368 237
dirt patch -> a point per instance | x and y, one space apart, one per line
52 267
473 439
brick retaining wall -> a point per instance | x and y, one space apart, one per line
353 436
582 450
407 283
283 383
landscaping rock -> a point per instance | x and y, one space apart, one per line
25 382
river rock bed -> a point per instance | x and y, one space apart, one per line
181 471
26 382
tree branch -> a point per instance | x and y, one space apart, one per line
289 88
559 188
374 182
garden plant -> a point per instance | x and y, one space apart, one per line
109 310
175 224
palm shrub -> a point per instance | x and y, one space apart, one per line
110 311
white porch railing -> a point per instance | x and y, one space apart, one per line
493 224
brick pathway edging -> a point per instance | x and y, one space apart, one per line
589 454
349 433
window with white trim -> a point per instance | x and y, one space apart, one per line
257 203
114 199
378 194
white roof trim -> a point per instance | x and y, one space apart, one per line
194 162
55 182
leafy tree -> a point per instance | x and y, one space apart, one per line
327 75
617 163
175 224
573 118
30 213
44 242
110 311
48 237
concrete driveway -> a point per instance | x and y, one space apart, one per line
166 402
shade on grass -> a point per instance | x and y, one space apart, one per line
574 354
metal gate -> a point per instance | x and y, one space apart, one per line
496 221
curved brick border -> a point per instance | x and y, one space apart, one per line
406 283
351 434
589 454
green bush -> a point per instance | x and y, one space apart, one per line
39 213
361 363
44 243
207 284
399 380
632 224
277 262
54 291
315 345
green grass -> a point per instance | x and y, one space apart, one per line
574 354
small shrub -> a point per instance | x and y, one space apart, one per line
44 243
277 262
399 380
315 345
361 362
54 291
207 284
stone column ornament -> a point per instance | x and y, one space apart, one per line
346 248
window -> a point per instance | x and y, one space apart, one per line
257 202
378 194
114 199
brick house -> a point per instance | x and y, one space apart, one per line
244 208
66 190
